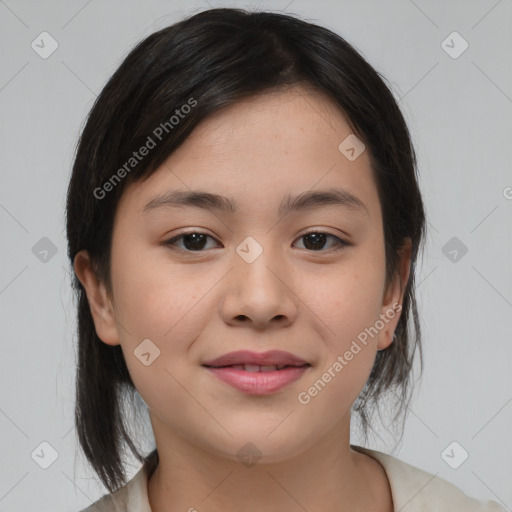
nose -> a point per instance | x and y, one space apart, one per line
259 293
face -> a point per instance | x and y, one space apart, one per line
307 280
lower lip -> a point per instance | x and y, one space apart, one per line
258 383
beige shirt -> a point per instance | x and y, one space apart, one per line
412 489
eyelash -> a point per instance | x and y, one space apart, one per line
342 244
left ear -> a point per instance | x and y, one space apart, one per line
393 297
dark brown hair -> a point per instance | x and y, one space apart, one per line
218 57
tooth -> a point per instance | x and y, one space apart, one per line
238 366
281 366
251 368
269 368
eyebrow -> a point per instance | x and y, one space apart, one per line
209 201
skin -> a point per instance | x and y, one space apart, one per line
196 306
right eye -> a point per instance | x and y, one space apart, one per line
194 241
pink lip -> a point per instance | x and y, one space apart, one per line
259 383
269 358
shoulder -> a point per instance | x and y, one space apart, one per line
130 497
415 490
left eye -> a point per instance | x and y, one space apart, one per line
195 240
317 239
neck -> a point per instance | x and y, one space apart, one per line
327 477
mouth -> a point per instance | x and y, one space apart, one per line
254 368
258 380
257 373
250 361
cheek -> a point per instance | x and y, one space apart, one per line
162 305
348 299
155 299
159 304
348 304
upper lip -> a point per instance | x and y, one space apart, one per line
269 358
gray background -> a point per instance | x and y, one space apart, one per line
459 113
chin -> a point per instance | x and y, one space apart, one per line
252 448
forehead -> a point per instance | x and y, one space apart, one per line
262 150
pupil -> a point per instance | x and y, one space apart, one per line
317 238
197 244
